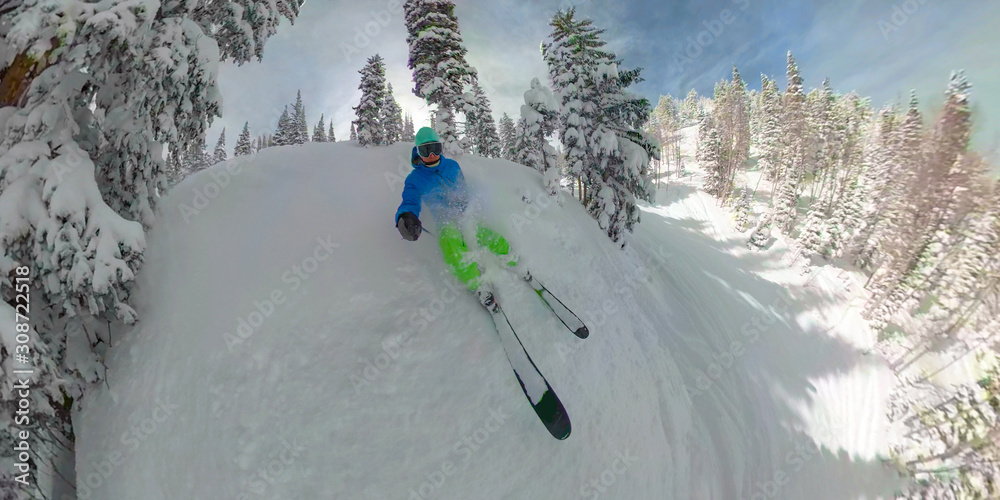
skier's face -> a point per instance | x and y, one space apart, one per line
430 152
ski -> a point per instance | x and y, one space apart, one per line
567 317
534 385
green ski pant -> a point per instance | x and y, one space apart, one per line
455 252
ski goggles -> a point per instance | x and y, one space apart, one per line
428 149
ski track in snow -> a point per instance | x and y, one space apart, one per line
376 376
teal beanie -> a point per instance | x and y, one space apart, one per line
425 135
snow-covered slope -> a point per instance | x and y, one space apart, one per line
292 346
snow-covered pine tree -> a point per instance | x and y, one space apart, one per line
970 273
114 81
814 236
769 162
319 131
408 131
739 120
572 54
881 188
284 133
844 182
300 130
371 110
753 98
437 58
197 157
761 234
243 146
732 124
689 109
354 132
174 169
794 150
818 108
330 135
480 126
219 155
744 209
942 177
539 116
392 118
709 151
600 123
507 137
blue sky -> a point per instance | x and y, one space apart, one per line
878 48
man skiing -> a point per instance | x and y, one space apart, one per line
438 182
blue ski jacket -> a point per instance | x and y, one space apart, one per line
441 187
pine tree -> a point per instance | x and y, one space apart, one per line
330 135
483 130
720 141
437 58
573 53
354 132
815 238
600 122
736 145
220 155
408 132
924 237
392 118
830 124
770 141
761 234
507 137
744 210
174 169
689 110
283 135
319 131
243 146
882 188
82 238
197 157
970 273
794 149
708 154
539 119
300 131
371 110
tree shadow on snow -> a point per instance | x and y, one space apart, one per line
749 368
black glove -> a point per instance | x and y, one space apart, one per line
409 226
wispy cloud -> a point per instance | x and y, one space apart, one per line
839 39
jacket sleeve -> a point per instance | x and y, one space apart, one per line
411 198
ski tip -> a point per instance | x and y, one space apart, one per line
582 332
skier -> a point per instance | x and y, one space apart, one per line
438 182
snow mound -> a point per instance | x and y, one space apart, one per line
291 345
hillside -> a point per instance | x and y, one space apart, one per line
293 346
